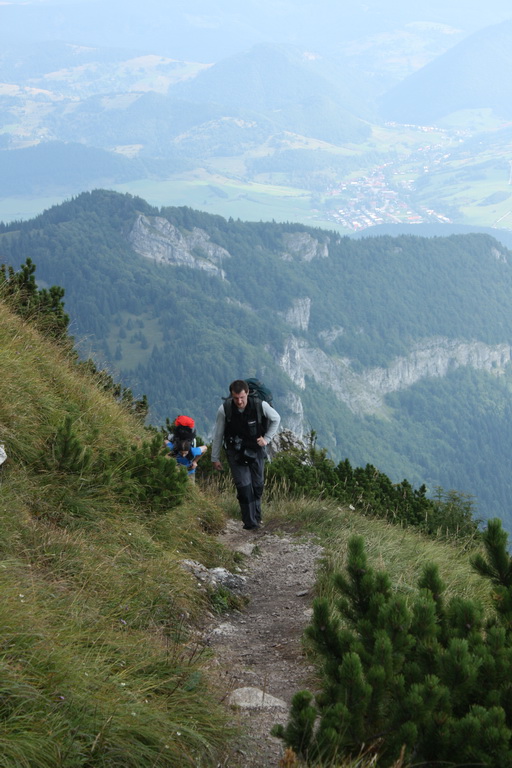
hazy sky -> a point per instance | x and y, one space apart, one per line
207 30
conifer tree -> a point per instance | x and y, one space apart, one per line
67 453
497 568
45 306
420 677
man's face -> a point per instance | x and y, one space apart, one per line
239 399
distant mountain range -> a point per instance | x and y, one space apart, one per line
204 32
504 236
278 131
471 75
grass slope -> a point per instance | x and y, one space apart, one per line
98 664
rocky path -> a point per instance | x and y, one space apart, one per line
259 650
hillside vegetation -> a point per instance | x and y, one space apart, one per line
101 658
99 665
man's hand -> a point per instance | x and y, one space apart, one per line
261 442
217 465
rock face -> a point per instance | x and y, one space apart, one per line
298 314
285 440
295 415
156 238
364 392
302 246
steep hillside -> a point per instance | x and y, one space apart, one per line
96 610
468 76
370 343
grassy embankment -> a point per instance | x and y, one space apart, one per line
99 662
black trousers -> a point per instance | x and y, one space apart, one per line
249 480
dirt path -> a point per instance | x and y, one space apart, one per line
259 650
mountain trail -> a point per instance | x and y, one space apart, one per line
258 650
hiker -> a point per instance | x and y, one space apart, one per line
246 425
182 447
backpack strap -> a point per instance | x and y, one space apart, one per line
260 416
228 408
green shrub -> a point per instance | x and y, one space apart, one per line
430 676
148 476
140 473
309 472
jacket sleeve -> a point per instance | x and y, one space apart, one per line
218 433
273 421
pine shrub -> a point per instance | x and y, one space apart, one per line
308 471
422 677
140 473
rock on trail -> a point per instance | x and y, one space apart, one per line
259 650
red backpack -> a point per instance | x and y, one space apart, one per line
183 429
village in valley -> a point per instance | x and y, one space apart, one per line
387 193
373 200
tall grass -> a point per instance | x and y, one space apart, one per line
100 665
401 551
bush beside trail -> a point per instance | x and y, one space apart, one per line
308 471
412 676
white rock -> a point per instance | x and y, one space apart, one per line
254 698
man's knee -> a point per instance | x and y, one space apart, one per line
257 488
245 494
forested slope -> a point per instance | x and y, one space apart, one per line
322 318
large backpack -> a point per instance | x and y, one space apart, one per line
183 430
258 392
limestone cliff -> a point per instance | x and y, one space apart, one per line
298 314
303 247
156 238
364 392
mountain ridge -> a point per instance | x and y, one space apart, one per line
292 305
467 76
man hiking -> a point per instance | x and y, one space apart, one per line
246 425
